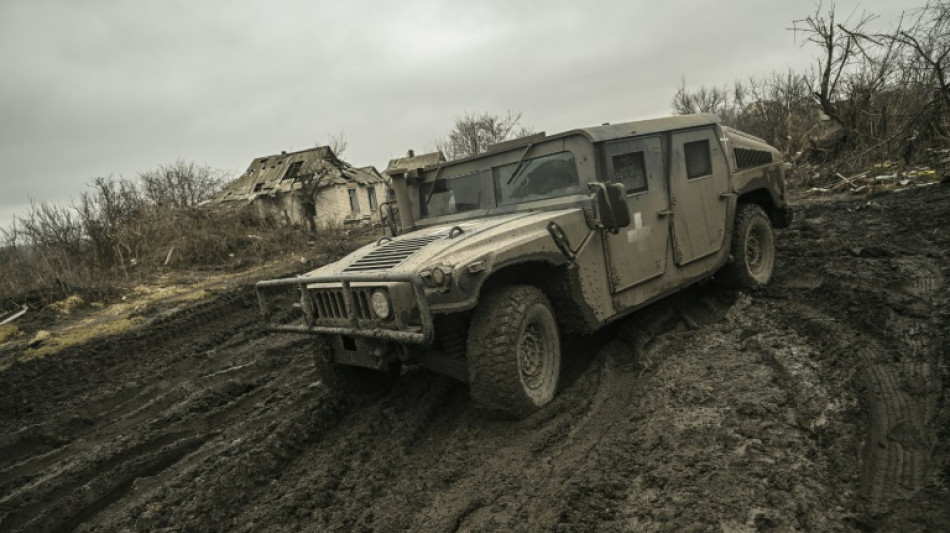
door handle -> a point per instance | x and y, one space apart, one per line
664 213
725 195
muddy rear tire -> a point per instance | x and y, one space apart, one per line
513 351
351 379
753 250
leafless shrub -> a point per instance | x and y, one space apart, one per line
180 184
716 100
777 108
473 133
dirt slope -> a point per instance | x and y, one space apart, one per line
818 404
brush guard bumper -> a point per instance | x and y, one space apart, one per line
352 316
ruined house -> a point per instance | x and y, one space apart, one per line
311 188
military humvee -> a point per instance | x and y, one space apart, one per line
498 254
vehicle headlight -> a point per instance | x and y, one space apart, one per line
381 304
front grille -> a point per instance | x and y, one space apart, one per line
331 304
747 157
391 254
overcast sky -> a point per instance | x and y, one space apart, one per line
98 88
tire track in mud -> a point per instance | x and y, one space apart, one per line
67 496
882 308
136 429
47 381
897 374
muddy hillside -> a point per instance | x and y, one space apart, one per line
818 404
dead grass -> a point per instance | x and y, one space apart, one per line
9 332
68 305
79 333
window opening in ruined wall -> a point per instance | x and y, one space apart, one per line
371 196
293 170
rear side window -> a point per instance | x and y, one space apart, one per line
630 169
698 162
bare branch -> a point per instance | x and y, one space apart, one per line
474 133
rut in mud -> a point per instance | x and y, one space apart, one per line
817 404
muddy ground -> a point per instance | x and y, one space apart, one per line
818 404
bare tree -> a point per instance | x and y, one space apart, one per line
337 143
929 38
839 49
474 133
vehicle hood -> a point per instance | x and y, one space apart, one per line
433 245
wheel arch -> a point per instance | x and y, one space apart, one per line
553 276
763 198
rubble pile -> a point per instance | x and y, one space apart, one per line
880 177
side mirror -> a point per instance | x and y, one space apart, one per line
611 205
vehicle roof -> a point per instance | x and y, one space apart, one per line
640 127
607 132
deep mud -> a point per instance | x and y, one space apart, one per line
819 404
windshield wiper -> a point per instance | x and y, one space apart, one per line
434 181
520 166
515 174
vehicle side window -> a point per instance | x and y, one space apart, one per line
630 169
698 162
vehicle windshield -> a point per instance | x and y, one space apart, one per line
540 178
452 195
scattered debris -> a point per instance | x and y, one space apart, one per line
15 315
882 177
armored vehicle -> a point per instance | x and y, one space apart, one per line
495 256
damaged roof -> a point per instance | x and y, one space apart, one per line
286 172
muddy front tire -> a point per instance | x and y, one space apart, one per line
513 351
351 379
753 249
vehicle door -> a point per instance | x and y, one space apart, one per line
699 187
637 253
